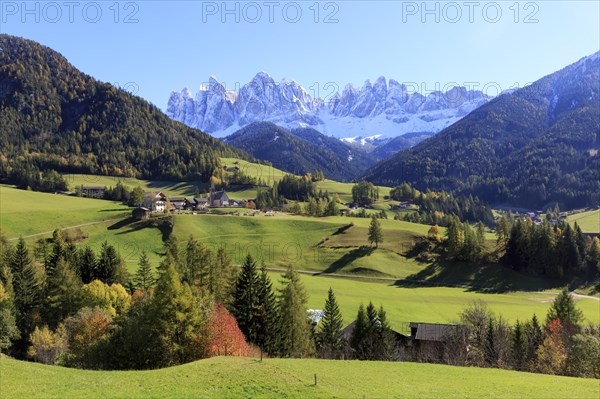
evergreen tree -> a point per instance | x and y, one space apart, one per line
359 332
27 288
87 265
144 278
63 297
222 277
172 249
568 251
110 266
533 338
454 238
330 337
267 317
245 305
198 259
177 319
491 355
519 347
295 326
375 232
384 343
564 309
480 234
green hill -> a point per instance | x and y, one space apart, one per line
528 148
55 117
24 213
301 150
286 378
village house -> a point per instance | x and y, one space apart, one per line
219 199
155 201
199 203
93 191
426 342
178 203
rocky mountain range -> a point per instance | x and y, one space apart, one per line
385 109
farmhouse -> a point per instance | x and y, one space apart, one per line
427 341
179 203
93 191
155 201
199 203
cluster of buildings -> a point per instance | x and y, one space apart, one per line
158 202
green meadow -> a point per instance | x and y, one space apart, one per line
24 213
588 221
406 303
225 377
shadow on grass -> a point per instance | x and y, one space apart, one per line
114 210
163 224
186 188
348 258
482 278
121 223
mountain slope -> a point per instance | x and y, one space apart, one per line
385 108
300 151
531 147
55 117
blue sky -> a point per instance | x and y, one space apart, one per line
155 47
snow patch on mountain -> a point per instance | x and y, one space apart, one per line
384 108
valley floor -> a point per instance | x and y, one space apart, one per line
287 378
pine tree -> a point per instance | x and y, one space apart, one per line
384 343
330 337
63 296
491 355
108 263
359 332
87 265
245 304
27 288
519 347
295 327
198 259
564 308
267 317
375 232
222 277
144 278
454 238
533 337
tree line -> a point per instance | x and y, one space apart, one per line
559 345
557 251
60 304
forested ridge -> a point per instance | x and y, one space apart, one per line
53 117
527 148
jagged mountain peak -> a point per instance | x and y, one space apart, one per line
384 107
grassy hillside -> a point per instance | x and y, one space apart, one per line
27 212
431 304
588 221
308 243
287 378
